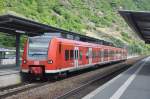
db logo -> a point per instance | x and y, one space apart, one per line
36 63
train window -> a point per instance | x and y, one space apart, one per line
94 55
87 55
102 53
99 54
80 55
60 47
71 54
66 55
111 53
38 47
77 54
105 53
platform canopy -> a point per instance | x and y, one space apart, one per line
139 21
17 25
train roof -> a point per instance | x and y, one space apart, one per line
86 44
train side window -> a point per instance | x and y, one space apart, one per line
111 53
74 54
66 55
95 54
87 54
71 54
80 55
60 47
99 54
77 54
105 53
102 53
92 54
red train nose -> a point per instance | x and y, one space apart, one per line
36 70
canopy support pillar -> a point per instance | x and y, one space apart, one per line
18 50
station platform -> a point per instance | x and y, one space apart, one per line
7 70
9 75
131 84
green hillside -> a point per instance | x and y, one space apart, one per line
96 18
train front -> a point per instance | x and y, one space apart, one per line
35 56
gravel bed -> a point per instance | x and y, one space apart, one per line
52 90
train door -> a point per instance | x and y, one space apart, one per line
90 55
76 56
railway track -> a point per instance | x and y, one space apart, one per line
12 90
11 86
79 92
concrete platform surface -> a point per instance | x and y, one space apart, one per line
9 75
131 84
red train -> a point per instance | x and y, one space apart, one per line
54 55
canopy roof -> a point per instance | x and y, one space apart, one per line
17 25
139 21
13 24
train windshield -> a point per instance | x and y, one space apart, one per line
38 47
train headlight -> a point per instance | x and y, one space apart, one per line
24 61
50 61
